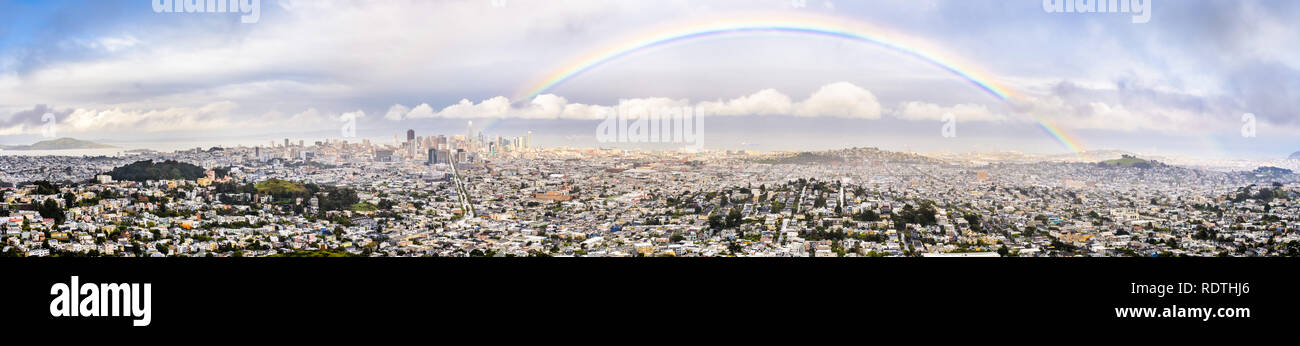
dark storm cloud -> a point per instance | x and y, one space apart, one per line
32 117
1269 90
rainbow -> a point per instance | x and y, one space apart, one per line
785 23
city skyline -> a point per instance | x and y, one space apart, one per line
773 76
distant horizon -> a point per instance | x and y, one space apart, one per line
122 146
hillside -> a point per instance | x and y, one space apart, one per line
58 144
803 158
281 188
1275 172
1130 161
148 170
843 156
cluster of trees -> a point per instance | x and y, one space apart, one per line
329 197
50 209
866 215
732 220
1203 233
974 221
925 215
44 187
1261 194
148 170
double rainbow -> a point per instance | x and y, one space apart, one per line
799 25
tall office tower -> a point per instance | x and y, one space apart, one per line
433 157
528 141
469 134
286 142
410 135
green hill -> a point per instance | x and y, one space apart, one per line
1130 161
281 188
803 158
148 170
58 144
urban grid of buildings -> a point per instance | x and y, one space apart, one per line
470 195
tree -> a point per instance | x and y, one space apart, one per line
866 216
69 199
715 222
974 221
44 187
733 218
50 209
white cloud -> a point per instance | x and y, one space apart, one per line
305 117
421 111
216 116
397 112
765 102
834 100
840 100
358 114
208 117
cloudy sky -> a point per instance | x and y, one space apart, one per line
119 72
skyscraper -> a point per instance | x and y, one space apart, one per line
410 135
469 133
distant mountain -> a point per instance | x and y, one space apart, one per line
58 144
1295 156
